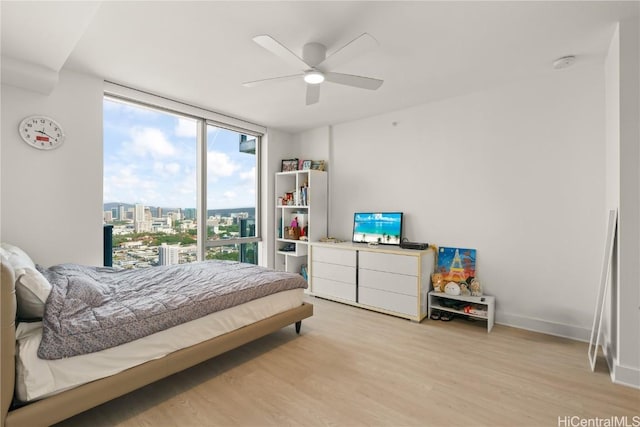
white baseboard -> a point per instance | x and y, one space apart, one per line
622 375
544 326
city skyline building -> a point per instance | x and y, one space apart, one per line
167 255
138 212
141 218
190 213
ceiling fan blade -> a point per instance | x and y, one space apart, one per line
271 80
313 93
278 49
356 47
356 81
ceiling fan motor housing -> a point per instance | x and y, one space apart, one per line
314 53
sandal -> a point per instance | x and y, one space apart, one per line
435 315
446 317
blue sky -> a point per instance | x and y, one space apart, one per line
150 158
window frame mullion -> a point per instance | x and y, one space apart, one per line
201 197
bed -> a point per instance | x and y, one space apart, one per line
97 377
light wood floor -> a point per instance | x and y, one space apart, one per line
354 367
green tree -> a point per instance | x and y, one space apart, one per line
229 256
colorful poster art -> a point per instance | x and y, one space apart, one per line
456 264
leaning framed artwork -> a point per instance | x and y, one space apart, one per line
605 278
456 264
289 165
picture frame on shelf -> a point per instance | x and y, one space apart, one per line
289 165
306 165
317 165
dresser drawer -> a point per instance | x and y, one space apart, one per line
335 272
391 282
401 264
332 288
391 301
333 256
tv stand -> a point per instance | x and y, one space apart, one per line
384 278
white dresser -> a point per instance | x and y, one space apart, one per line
383 278
333 273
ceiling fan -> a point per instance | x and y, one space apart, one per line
315 66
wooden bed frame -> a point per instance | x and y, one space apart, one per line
56 408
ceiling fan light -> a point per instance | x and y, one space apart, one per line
313 77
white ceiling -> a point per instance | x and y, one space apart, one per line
200 52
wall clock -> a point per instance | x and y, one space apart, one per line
41 132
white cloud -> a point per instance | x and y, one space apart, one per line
126 185
149 142
126 177
131 184
186 128
216 199
220 165
171 168
249 176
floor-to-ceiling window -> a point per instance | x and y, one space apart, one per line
174 193
231 195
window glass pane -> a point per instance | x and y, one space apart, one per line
243 252
231 185
149 184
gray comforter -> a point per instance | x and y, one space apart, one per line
93 308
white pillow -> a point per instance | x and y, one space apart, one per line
32 288
16 256
32 291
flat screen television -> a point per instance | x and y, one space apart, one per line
384 228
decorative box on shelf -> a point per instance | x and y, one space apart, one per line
482 307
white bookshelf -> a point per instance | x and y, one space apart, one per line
309 205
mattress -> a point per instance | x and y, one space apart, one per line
38 378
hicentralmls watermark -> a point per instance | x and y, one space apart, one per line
613 421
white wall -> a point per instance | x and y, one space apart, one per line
52 200
312 144
612 189
624 82
516 172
